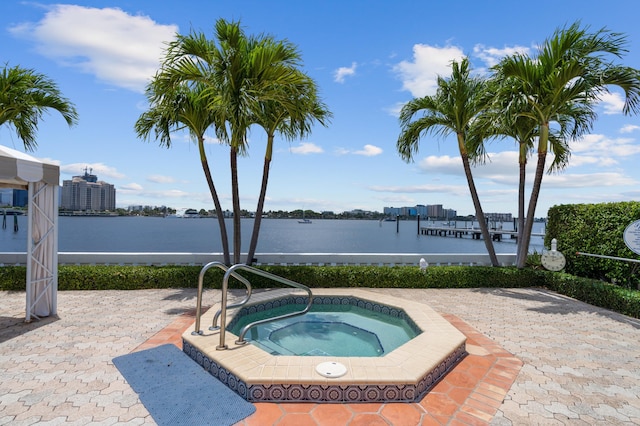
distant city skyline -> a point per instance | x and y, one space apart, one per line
103 53
86 193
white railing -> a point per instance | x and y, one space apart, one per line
159 259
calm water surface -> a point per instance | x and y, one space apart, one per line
149 234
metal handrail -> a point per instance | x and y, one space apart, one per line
225 283
201 284
608 257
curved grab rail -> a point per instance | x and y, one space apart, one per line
246 328
204 269
243 302
223 316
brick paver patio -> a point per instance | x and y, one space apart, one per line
535 357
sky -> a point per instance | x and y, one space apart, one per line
368 58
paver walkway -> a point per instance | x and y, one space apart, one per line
575 364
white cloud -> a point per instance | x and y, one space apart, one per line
441 164
130 187
395 109
612 103
419 76
396 199
604 147
591 160
212 140
629 128
369 151
459 190
588 180
343 72
307 148
172 193
118 48
49 160
183 135
492 55
161 179
139 191
499 167
101 170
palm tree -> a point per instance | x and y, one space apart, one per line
291 120
452 110
25 96
565 80
241 73
504 118
171 110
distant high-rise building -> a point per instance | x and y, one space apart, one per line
6 197
87 193
392 211
435 211
450 214
14 197
421 209
20 197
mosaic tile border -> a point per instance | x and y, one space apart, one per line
326 393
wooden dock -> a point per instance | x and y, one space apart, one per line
475 233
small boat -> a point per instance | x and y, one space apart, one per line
190 214
307 221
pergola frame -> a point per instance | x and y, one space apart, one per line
41 179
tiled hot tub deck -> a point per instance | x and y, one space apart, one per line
406 374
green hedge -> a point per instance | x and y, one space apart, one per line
596 292
100 277
596 229
401 276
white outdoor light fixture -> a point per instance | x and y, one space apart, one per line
423 265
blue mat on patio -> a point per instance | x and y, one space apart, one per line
177 391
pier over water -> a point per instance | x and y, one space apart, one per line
496 232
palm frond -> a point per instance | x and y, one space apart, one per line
25 96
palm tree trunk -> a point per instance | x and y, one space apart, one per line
259 210
484 229
521 187
235 194
216 202
268 155
523 248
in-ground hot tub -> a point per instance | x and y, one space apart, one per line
334 326
405 373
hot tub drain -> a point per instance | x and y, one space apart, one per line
331 369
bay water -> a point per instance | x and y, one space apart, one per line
179 235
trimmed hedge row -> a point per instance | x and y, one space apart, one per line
595 292
402 276
100 277
596 229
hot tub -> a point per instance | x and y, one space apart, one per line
403 374
335 326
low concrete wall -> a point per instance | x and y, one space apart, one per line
381 259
